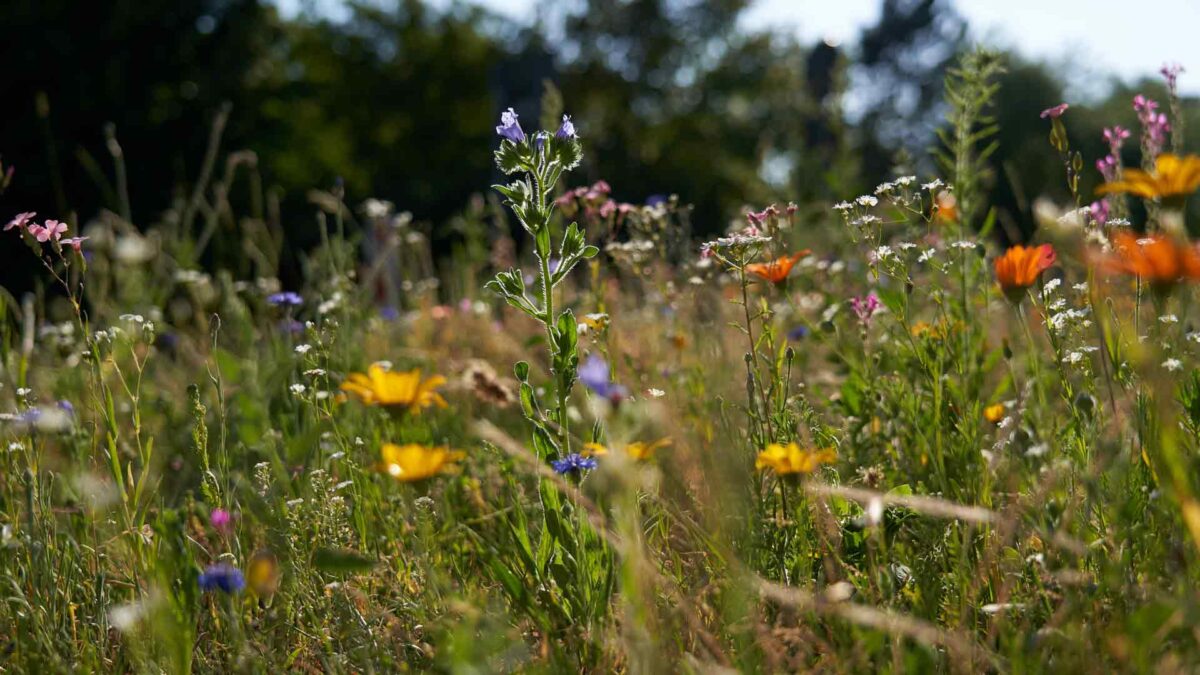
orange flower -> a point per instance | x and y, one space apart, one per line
1158 259
1173 176
1019 267
994 413
778 269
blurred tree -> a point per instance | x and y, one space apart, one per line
672 98
897 80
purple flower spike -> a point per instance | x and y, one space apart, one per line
510 128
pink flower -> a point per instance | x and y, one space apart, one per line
221 520
1055 112
52 229
21 220
865 307
1171 72
1116 137
75 242
1099 211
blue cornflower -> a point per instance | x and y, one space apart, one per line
594 375
567 130
574 463
222 577
510 128
797 333
285 299
66 407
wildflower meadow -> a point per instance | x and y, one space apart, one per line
880 434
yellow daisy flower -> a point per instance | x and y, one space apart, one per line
412 462
791 459
395 391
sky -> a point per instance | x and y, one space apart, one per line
1089 40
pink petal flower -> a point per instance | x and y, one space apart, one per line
1055 112
21 220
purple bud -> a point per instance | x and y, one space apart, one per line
567 130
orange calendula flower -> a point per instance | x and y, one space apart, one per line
413 462
790 459
1019 267
994 413
778 269
1158 259
1173 177
395 391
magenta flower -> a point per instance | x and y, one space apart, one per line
52 229
1171 72
1055 112
21 220
1099 211
1154 124
1115 136
865 307
221 520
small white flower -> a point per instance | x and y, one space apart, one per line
843 206
927 255
964 244
297 389
883 252
866 200
293 503
1074 357
1052 285
884 188
1037 450
1168 318
1081 287
303 349
655 393
315 372
932 185
1173 365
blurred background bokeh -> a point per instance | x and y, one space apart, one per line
725 103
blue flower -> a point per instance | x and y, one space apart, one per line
285 299
510 128
574 463
567 130
539 140
66 407
594 375
655 200
798 333
222 577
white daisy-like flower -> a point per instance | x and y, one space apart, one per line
867 200
1173 365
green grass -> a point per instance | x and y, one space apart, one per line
1013 489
